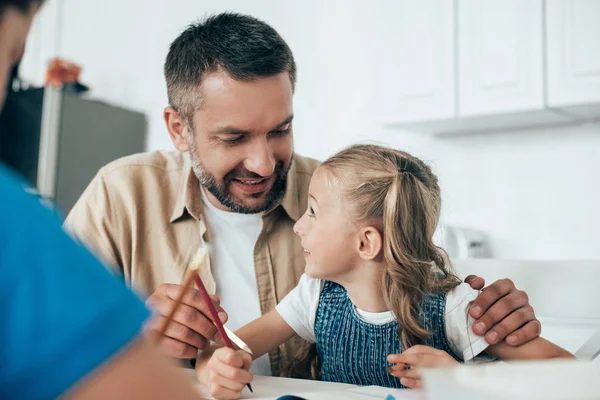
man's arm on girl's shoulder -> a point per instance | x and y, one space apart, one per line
503 312
537 349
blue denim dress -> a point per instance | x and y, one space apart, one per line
354 351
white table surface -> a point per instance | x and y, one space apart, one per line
270 388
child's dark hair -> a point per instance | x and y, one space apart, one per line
401 191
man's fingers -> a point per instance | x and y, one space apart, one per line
223 316
176 349
475 282
215 299
497 312
196 320
530 331
489 296
510 324
193 299
184 334
188 316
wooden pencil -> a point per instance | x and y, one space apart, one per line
199 259
215 317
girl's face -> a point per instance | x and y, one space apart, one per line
328 237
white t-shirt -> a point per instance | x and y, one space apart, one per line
232 240
299 310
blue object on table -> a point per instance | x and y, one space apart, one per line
290 397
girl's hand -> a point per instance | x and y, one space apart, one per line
225 374
408 363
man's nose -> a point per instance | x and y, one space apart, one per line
261 160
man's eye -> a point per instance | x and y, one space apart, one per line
232 141
281 132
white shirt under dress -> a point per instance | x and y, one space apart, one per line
299 309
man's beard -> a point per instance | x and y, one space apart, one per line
222 192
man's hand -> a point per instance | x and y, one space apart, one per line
190 329
406 365
503 311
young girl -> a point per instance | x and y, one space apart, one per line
378 295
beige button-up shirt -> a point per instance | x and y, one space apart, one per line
143 215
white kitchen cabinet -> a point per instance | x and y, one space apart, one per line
517 64
573 53
414 70
500 56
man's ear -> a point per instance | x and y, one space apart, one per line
177 129
370 243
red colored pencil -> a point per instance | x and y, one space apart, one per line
214 315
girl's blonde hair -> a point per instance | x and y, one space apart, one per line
379 183
382 183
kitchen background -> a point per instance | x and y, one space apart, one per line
523 74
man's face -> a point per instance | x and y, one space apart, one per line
14 27
242 146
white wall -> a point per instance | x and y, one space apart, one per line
122 45
535 193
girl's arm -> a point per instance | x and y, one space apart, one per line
537 349
265 333
261 335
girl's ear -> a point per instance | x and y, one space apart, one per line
370 243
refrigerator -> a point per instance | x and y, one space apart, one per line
58 140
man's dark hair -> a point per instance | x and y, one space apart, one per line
243 46
22 5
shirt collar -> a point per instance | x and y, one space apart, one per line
189 198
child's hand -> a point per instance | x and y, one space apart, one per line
408 363
225 374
